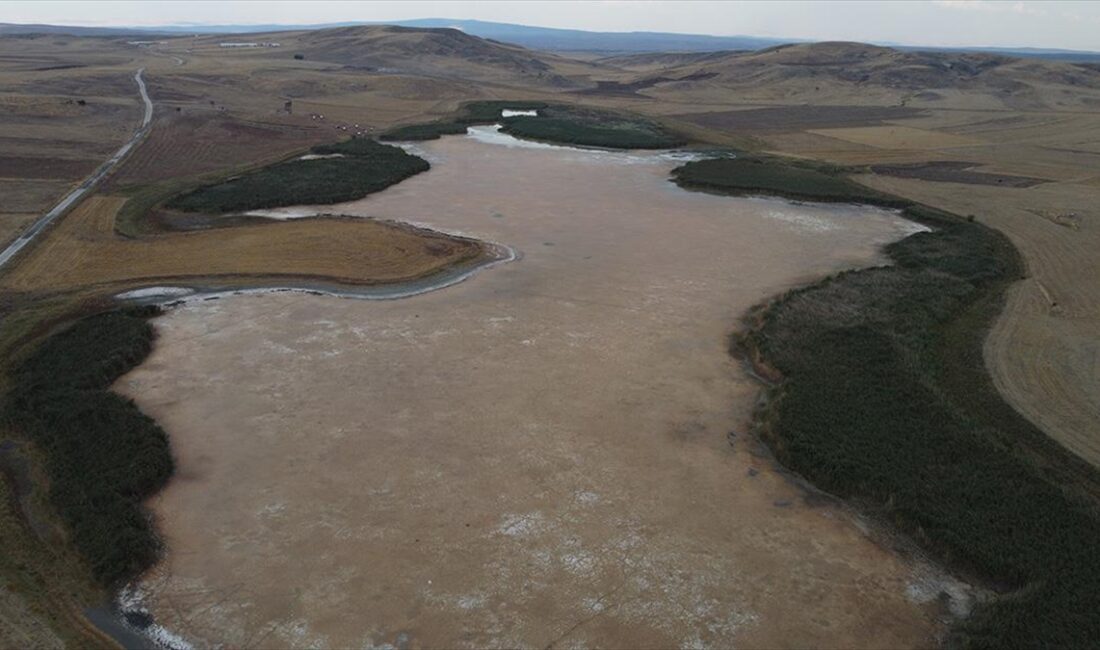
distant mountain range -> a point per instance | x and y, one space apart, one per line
540 38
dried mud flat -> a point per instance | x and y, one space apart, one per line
537 457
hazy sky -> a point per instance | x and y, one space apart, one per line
1051 23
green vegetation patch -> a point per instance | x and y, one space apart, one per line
557 123
471 113
426 131
758 175
591 128
103 456
883 396
365 166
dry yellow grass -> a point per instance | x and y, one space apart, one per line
898 137
84 250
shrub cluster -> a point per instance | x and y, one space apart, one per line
471 113
103 456
366 166
555 123
753 175
884 397
590 127
426 131
568 131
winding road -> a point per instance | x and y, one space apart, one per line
72 197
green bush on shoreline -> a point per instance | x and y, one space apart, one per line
103 456
884 397
365 167
555 123
472 113
752 175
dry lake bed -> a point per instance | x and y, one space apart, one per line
538 456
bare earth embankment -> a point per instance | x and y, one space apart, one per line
541 456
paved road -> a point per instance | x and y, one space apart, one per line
72 197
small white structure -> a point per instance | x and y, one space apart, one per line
510 113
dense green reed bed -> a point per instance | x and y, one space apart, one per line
882 396
557 123
471 113
103 456
591 128
756 175
366 166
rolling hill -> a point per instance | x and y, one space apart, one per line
539 38
431 52
821 73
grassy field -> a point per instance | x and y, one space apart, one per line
363 166
84 250
199 142
66 106
880 395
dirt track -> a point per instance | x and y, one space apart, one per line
541 456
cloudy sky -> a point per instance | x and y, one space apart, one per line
1058 24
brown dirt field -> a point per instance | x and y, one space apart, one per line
59 147
75 83
946 171
797 118
31 194
1072 131
13 223
898 137
46 168
49 141
197 143
83 249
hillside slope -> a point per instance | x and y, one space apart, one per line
434 52
823 73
